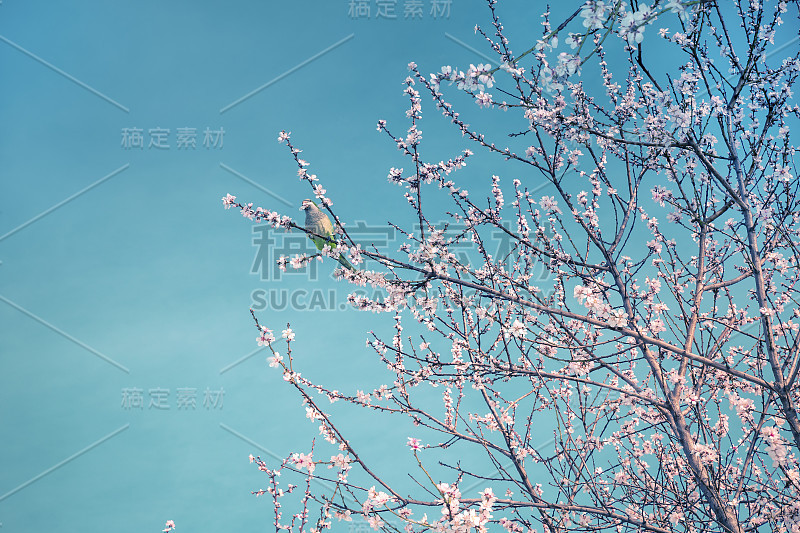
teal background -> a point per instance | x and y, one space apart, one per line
144 281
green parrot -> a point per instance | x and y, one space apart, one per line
319 223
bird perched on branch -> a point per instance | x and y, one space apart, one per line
318 222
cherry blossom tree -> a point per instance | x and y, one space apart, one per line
663 354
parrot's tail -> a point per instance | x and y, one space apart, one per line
345 263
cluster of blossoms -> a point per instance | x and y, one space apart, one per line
475 80
259 214
598 15
266 337
594 303
776 447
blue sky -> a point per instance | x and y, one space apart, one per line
121 272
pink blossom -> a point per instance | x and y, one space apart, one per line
654 246
275 360
340 461
376 498
266 337
517 329
657 326
594 14
618 319
228 201
302 460
549 204
581 293
660 194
